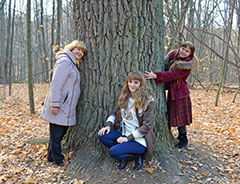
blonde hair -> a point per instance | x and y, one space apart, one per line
141 97
76 43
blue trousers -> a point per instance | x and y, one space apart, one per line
54 148
120 151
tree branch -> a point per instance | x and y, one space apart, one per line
2 5
235 54
218 55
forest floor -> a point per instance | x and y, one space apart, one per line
212 156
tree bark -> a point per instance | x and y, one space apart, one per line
2 53
11 53
59 19
121 36
238 50
52 40
29 58
8 41
226 54
2 47
44 46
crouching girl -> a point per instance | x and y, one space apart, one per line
134 116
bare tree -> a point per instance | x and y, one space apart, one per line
44 45
29 57
11 52
8 41
238 48
226 53
59 19
2 32
52 40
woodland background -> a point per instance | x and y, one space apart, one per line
31 35
207 23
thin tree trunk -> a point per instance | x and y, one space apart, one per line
11 53
226 54
178 25
36 50
8 41
29 58
3 54
59 19
238 49
2 4
44 45
52 40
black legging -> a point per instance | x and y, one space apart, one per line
182 130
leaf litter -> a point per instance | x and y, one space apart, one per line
216 128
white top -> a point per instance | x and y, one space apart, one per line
130 122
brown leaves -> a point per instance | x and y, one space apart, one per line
21 162
217 127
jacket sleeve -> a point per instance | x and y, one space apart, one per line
111 119
60 75
173 75
147 123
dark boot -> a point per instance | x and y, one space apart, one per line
183 142
138 163
179 137
123 163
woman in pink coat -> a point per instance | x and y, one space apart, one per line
178 66
60 105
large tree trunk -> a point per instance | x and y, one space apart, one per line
121 36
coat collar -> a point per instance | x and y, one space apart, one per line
66 53
179 64
185 65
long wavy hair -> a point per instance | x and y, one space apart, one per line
142 95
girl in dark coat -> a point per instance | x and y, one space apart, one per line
135 115
178 66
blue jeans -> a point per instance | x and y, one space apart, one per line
120 151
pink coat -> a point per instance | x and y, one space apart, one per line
64 91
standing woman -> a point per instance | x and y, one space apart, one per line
178 66
134 114
60 105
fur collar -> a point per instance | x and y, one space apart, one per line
188 64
